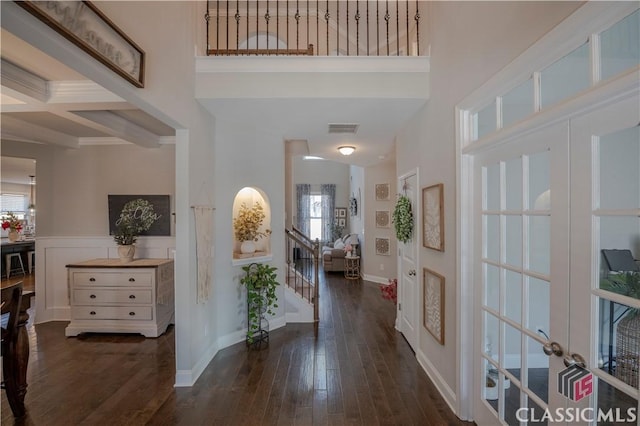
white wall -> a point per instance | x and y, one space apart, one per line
470 41
375 267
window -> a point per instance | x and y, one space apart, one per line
315 216
13 203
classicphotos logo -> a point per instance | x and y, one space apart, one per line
575 383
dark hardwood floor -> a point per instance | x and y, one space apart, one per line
358 371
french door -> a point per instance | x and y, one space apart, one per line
546 204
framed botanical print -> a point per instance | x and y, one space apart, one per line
382 192
433 217
433 304
382 246
382 219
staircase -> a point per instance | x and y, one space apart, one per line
302 277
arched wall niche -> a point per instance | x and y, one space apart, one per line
249 196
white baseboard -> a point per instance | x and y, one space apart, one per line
376 279
187 378
447 393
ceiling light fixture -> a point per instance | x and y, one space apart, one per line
346 150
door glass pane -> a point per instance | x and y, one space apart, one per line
620 233
513 183
513 296
490 392
492 287
492 237
511 402
492 187
620 169
620 341
513 240
538 304
486 120
539 193
512 350
517 103
539 243
537 370
620 46
614 406
492 334
566 77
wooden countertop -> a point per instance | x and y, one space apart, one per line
116 263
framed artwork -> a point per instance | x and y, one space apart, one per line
342 222
433 304
433 217
382 219
382 246
340 212
382 192
159 206
84 25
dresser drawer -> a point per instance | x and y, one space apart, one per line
133 296
112 313
124 278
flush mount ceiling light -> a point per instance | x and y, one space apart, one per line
346 150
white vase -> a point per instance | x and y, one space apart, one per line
247 247
126 253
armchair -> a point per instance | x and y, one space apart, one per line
333 254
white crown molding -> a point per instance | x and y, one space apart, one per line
121 128
80 92
23 81
108 140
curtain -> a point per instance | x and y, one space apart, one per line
303 192
328 192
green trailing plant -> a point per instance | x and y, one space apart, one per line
625 283
403 219
261 283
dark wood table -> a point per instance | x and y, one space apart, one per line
14 363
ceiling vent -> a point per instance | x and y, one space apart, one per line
343 128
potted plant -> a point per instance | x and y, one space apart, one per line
403 219
13 224
261 283
136 217
246 226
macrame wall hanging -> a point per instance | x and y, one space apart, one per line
204 250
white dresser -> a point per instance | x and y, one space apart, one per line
108 296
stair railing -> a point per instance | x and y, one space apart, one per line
303 267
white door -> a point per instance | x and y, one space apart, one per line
408 292
522 262
605 235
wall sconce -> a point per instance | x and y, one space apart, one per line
346 150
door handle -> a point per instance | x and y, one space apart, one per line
412 273
575 359
552 348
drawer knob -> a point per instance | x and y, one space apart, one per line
131 280
92 279
93 296
132 313
132 296
92 312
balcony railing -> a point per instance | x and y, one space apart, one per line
321 28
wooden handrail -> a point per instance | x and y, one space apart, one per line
235 52
301 241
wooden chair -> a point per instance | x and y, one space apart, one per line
11 299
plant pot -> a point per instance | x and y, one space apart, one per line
247 247
126 253
13 236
